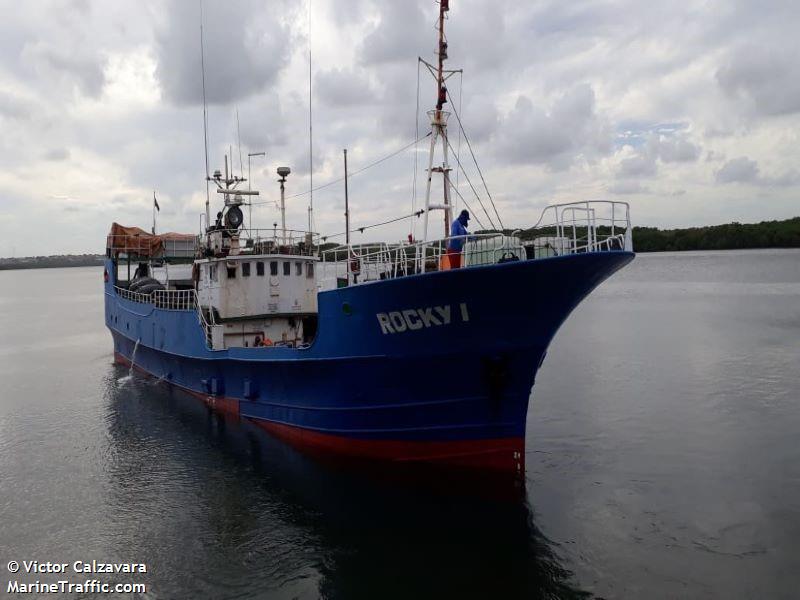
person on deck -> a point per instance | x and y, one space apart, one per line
456 244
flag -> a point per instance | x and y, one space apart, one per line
155 203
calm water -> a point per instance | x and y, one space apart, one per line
663 459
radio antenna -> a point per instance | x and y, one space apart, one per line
205 111
310 134
239 141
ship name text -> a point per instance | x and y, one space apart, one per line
414 319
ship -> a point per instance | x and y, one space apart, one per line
407 353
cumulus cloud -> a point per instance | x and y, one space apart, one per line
744 170
673 148
246 47
100 101
343 87
641 165
627 187
767 77
647 150
402 31
738 170
83 68
554 137
57 154
13 107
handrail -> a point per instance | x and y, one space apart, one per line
572 227
303 242
186 300
577 225
370 262
267 241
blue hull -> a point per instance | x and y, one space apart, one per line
423 367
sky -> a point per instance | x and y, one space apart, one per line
689 111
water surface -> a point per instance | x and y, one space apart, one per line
662 451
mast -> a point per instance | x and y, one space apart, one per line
205 115
283 172
439 128
346 217
310 134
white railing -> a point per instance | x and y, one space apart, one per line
174 300
588 226
164 299
265 241
145 246
571 228
260 241
371 262
132 296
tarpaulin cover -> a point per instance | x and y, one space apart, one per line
133 240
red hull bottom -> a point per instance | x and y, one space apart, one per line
505 455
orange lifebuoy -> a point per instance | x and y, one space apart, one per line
267 341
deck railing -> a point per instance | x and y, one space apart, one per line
174 300
371 262
571 228
270 241
258 241
587 226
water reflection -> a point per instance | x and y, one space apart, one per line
217 507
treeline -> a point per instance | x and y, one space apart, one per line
732 236
49 262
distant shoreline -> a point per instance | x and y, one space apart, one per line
52 262
731 236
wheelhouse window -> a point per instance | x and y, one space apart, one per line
213 269
273 267
260 269
298 268
232 272
310 270
245 269
287 268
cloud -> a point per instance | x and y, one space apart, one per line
57 154
556 137
738 170
13 107
627 187
83 68
641 165
744 170
649 149
401 33
341 87
673 148
764 76
100 102
246 48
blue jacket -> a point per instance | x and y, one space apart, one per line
457 228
